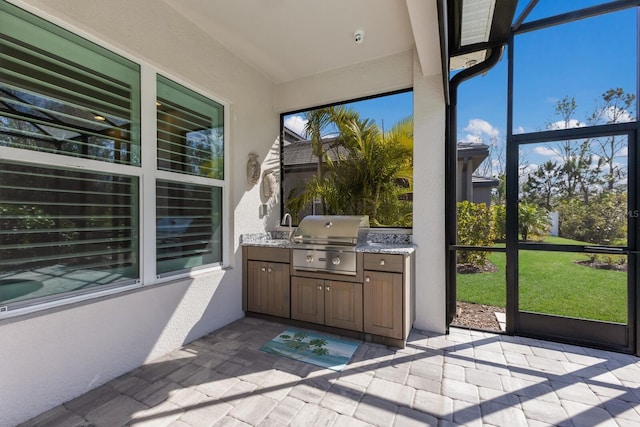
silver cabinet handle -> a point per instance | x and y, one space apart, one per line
328 288
269 270
367 279
382 262
319 287
263 269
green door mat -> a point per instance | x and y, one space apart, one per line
327 351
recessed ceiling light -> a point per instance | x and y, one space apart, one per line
100 118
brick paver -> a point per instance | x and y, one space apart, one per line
469 378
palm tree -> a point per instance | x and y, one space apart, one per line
372 174
319 122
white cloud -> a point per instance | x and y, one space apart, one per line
545 151
471 138
561 124
519 129
479 127
296 124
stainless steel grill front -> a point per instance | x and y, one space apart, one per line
327 243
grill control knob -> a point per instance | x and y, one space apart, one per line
335 260
309 258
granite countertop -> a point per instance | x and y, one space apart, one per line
392 245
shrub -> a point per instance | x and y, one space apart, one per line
533 222
602 221
499 215
475 228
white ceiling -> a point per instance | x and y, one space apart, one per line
291 39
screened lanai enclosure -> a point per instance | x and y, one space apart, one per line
554 254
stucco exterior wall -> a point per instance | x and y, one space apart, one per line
382 75
429 200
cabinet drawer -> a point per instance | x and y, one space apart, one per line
384 262
268 254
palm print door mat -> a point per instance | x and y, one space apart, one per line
331 352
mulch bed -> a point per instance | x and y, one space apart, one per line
477 316
603 265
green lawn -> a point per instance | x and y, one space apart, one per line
552 283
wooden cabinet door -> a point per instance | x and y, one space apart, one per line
278 289
343 305
257 286
383 303
307 299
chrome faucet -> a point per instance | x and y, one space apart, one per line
286 217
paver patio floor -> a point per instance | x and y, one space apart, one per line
463 378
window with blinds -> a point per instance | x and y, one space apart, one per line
70 177
190 131
190 142
188 232
63 231
62 94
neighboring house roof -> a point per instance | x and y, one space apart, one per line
292 136
484 181
298 151
476 151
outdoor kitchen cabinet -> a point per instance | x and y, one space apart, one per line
327 302
267 281
384 292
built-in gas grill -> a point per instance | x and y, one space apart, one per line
327 243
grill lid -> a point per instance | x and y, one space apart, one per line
332 229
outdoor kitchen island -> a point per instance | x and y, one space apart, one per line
374 302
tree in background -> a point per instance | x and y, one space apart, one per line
542 185
615 107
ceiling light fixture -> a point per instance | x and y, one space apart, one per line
100 118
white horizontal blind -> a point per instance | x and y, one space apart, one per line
190 132
190 142
62 94
65 230
188 230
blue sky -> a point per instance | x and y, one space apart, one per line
385 111
581 60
